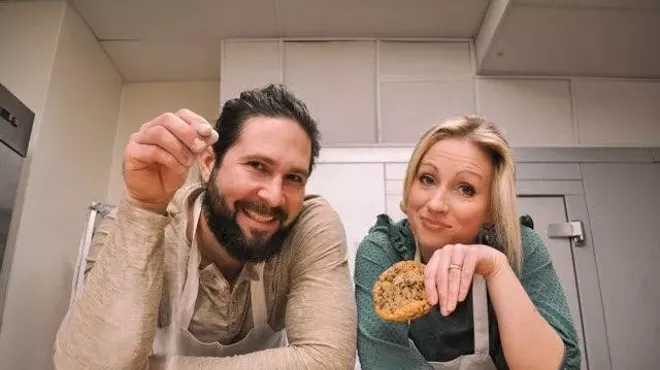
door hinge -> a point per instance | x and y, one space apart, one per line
573 230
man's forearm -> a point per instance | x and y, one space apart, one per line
112 323
292 357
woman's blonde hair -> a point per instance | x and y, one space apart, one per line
488 137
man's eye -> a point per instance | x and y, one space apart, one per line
296 178
257 165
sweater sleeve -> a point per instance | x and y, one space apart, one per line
112 324
381 344
542 284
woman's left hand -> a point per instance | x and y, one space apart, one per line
449 272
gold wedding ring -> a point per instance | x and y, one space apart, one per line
455 266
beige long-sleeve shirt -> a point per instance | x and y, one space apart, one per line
135 261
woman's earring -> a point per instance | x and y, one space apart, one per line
488 235
526 220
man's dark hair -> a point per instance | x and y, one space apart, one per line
274 101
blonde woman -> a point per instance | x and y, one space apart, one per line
497 301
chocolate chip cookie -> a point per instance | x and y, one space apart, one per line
399 293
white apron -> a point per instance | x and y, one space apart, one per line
480 359
181 342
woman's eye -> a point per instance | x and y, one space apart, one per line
466 190
426 180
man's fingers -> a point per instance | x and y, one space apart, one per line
150 154
199 124
160 136
180 129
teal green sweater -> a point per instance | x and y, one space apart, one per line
386 345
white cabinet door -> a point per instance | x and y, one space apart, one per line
623 201
356 191
546 210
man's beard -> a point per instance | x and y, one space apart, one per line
222 223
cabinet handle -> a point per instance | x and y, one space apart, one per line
573 230
7 116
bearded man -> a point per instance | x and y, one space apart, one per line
241 271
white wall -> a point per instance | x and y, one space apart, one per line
76 94
141 102
371 92
26 73
26 70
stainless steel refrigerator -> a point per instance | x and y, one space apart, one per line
15 128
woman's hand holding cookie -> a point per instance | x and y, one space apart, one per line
448 274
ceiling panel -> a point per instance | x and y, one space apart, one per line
176 39
381 18
175 19
161 19
216 18
576 41
165 60
617 4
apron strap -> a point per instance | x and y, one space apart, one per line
418 258
258 297
480 315
186 304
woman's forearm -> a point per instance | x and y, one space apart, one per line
528 341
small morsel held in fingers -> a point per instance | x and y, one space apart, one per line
207 133
399 293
